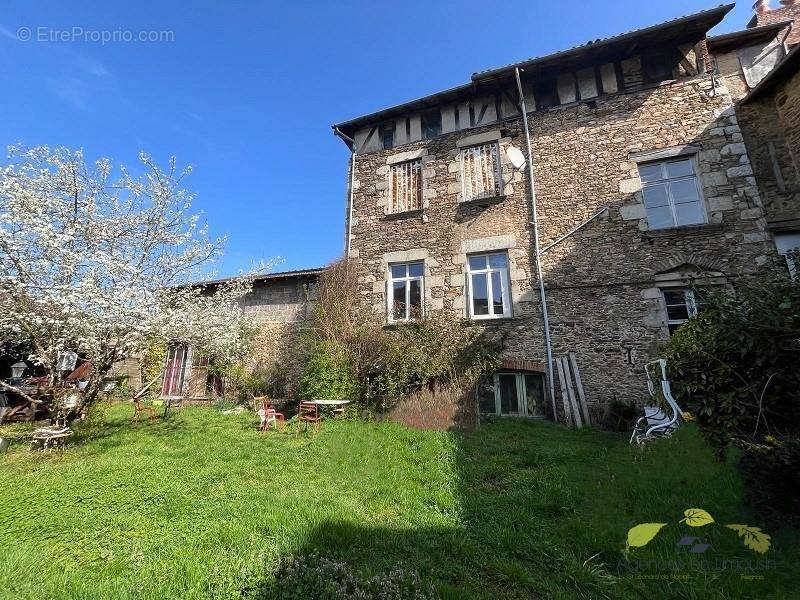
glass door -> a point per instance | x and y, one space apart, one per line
512 394
507 387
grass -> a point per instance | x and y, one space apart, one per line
203 506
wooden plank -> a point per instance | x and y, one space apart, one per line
573 402
564 396
579 385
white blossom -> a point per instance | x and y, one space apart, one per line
100 260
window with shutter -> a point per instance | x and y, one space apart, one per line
406 186
480 172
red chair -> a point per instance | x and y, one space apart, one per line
269 415
309 415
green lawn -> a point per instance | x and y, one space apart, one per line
203 506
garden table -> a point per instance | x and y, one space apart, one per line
338 406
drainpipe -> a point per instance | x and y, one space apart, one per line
352 145
548 343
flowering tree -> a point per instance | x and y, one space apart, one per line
97 260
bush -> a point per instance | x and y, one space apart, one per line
354 355
313 576
772 475
734 366
327 374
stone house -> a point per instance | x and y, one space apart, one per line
281 305
760 67
641 192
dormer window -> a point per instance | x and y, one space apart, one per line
431 124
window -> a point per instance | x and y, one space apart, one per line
513 394
487 286
406 186
671 194
174 370
681 304
545 93
406 291
387 136
480 172
787 243
431 124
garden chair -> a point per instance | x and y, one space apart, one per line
308 414
657 421
268 415
138 407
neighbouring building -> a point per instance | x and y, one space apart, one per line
759 65
281 305
636 142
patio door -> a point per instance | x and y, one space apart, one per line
513 394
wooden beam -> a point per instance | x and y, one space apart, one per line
564 396
572 401
579 385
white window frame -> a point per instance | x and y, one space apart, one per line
690 301
411 198
407 279
668 180
505 293
483 191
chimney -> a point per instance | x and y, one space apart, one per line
761 7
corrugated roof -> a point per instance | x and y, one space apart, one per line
708 18
268 276
698 23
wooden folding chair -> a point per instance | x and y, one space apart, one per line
308 414
138 407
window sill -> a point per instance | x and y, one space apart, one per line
685 229
406 214
484 201
491 321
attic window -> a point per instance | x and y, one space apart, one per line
387 136
658 66
545 93
431 124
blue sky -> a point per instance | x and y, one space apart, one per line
246 91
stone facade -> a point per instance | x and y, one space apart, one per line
604 283
281 304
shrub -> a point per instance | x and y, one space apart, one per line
353 354
327 374
772 475
313 576
619 415
734 366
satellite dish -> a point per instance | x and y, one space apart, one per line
516 157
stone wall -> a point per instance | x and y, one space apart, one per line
282 308
603 282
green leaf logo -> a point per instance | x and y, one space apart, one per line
640 535
753 537
696 517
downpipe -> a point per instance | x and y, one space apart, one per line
551 389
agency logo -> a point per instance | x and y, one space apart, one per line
752 537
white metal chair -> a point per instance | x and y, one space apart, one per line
657 422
